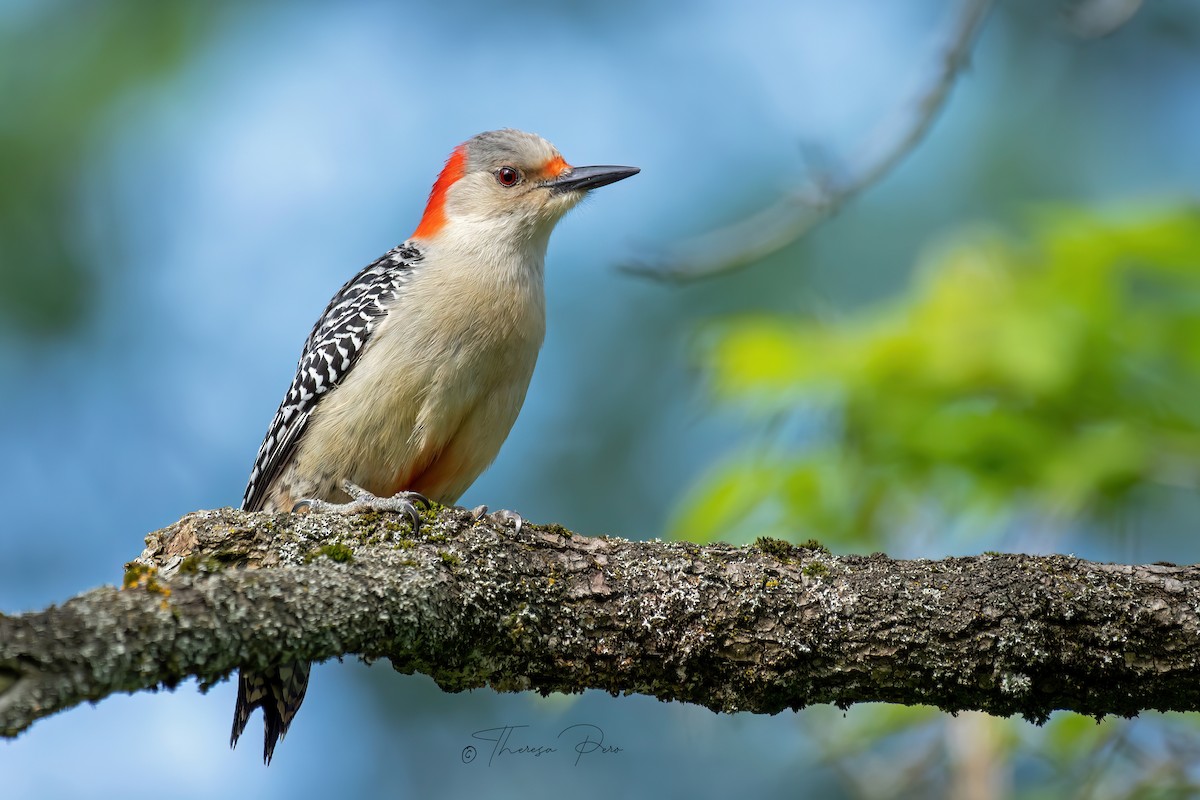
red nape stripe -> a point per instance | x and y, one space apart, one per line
435 210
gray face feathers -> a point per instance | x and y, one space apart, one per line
528 152
508 179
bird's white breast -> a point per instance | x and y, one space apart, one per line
439 385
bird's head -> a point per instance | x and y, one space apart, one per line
508 180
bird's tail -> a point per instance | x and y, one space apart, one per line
279 693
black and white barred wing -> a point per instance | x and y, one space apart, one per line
335 344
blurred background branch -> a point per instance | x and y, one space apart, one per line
757 236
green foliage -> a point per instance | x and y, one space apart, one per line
1071 756
1057 373
63 69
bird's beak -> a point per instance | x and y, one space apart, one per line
582 179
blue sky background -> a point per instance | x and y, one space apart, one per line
217 206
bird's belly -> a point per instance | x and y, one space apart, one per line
432 425
455 451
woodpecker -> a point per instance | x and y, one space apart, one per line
413 376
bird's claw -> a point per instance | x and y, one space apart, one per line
504 515
499 517
362 501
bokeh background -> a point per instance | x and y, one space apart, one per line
184 185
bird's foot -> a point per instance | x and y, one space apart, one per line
363 501
500 517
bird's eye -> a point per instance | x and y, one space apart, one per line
508 176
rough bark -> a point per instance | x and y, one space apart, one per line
474 603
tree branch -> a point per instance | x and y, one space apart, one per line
752 238
759 628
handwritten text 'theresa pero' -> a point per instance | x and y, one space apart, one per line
508 740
